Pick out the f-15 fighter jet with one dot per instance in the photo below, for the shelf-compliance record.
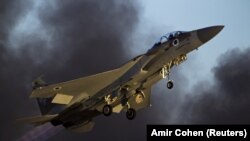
(74, 104)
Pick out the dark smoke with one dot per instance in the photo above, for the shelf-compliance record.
(226, 100)
(81, 38)
(84, 37)
(9, 15)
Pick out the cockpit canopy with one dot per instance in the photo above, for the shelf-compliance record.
(168, 37)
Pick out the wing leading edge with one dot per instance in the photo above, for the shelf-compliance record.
(75, 90)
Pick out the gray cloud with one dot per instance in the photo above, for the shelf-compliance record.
(224, 101)
(85, 37)
(9, 15)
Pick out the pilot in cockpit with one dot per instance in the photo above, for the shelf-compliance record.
(167, 37)
(171, 36)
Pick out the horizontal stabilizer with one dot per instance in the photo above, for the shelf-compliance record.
(37, 120)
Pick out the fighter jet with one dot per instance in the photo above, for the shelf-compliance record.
(75, 103)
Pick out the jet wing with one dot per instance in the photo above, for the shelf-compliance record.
(76, 90)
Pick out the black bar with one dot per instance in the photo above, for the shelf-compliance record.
(197, 132)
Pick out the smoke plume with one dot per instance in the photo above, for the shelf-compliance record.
(62, 40)
(224, 101)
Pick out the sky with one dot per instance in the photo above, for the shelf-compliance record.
(164, 16)
(58, 39)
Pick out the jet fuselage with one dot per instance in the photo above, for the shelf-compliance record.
(126, 88)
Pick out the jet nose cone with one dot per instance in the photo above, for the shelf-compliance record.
(205, 34)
